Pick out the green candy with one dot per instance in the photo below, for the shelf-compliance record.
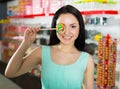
(60, 28)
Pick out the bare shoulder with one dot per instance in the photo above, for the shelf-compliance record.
(35, 50)
(38, 51)
(91, 58)
(35, 53)
(88, 82)
(90, 64)
(54, 46)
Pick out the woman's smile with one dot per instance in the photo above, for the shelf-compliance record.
(67, 37)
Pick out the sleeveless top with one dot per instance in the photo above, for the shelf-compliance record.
(55, 76)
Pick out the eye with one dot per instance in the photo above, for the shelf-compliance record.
(73, 26)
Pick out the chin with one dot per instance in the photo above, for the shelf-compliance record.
(67, 42)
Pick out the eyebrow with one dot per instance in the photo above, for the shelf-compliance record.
(70, 24)
(73, 24)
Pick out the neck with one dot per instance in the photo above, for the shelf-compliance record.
(66, 48)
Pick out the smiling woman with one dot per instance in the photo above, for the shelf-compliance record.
(64, 62)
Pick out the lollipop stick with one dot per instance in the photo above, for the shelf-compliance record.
(47, 28)
(59, 28)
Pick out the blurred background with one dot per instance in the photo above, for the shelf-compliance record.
(101, 17)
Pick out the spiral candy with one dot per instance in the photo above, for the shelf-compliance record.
(60, 28)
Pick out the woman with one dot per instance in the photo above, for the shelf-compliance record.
(64, 64)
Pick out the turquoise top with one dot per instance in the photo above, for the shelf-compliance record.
(55, 76)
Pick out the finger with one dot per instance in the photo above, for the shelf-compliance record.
(26, 30)
(35, 30)
(31, 30)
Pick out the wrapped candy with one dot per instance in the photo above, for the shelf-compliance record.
(107, 56)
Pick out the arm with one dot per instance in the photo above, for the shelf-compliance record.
(18, 64)
(88, 82)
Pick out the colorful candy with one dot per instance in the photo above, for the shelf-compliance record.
(107, 55)
(60, 28)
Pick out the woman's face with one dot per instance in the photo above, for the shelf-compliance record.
(71, 28)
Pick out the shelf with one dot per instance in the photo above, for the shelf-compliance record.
(26, 16)
(88, 41)
(92, 12)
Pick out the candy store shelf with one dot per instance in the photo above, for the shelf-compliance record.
(91, 12)
(114, 12)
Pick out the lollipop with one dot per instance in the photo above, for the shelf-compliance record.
(60, 28)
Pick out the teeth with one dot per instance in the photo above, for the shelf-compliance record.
(66, 37)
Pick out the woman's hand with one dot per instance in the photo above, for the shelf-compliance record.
(19, 63)
(30, 35)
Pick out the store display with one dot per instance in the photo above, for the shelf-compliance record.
(100, 1)
(106, 67)
(24, 7)
(0, 49)
(10, 44)
(98, 23)
(117, 77)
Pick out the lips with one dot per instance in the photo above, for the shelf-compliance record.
(67, 37)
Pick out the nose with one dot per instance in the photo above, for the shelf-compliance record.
(66, 30)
